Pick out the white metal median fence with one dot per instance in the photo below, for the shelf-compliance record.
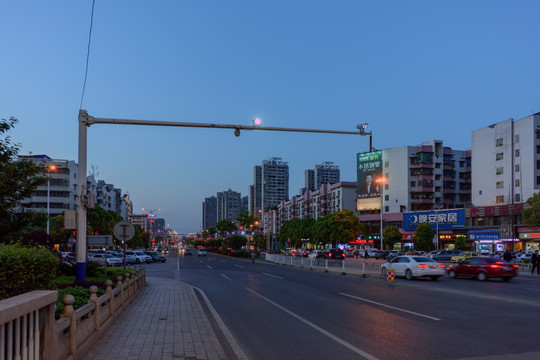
(346, 266)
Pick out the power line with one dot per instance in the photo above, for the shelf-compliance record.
(88, 53)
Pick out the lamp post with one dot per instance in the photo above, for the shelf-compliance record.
(49, 168)
(381, 182)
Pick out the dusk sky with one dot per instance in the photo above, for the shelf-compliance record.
(414, 70)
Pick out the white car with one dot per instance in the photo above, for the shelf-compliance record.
(411, 266)
(201, 252)
(140, 257)
(101, 258)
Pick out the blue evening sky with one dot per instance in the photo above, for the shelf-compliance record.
(414, 70)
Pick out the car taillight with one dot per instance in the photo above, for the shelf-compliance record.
(515, 266)
(495, 266)
(441, 265)
(422, 265)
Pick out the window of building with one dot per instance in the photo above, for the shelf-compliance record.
(499, 142)
(499, 199)
(538, 149)
(538, 164)
(517, 183)
(517, 198)
(537, 134)
(538, 180)
(386, 164)
(413, 183)
(516, 153)
(517, 167)
(499, 184)
(516, 139)
(499, 156)
(386, 187)
(499, 170)
(437, 165)
(386, 197)
(461, 163)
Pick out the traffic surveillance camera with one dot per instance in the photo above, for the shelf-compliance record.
(237, 132)
(362, 126)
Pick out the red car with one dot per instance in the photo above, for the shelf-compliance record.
(483, 268)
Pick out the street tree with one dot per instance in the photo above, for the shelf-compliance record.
(461, 242)
(236, 241)
(346, 227)
(423, 237)
(19, 177)
(391, 236)
(225, 227)
(531, 215)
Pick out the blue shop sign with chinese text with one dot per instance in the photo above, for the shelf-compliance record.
(442, 219)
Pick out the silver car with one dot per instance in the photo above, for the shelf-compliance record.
(412, 266)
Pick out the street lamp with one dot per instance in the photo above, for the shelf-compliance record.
(49, 168)
(381, 182)
(362, 128)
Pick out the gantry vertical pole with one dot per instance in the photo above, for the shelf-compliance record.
(81, 192)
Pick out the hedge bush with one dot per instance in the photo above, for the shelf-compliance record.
(23, 269)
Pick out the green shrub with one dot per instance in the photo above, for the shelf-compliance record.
(81, 295)
(23, 269)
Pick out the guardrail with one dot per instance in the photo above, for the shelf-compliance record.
(362, 267)
(28, 329)
(349, 266)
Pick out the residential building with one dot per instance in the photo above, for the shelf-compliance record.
(275, 182)
(229, 205)
(255, 192)
(506, 161)
(209, 207)
(109, 197)
(59, 191)
(329, 199)
(326, 173)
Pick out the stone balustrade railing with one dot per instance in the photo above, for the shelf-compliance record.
(28, 329)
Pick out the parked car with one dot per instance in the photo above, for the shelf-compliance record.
(464, 255)
(156, 256)
(201, 252)
(314, 254)
(110, 259)
(130, 259)
(140, 257)
(483, 268)
(349, 252)
(446, 255)
(524, 256)
(187, 251)
(393, 255)
(414, 266)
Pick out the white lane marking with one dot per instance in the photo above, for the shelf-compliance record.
(240, 266)
(226, 277)
(391, 307)
(277, 277)
(210, 267)
(319, 329)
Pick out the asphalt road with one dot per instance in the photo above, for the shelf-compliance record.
(280, 312)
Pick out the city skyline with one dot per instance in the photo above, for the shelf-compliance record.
(414, 71)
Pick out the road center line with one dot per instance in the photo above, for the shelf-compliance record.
(277, 277)
(391, 307)
(319, 329)
(210, 267)
(226, 277)
(240, 266)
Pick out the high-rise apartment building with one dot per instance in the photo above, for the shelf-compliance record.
(326, 173)
(209, 212)
(506, 161)
(309, 180)
(255, 192)
(229, 205)
(275, 182)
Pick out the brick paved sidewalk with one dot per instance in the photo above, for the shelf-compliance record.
(168, 320)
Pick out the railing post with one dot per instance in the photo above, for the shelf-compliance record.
(326, 265)
(128, 285)
(94, 299)
(68, 301)
(111, 298)
(343, 267)
(121, 287)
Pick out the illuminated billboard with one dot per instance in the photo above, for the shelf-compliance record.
(368, 170)
(442, 219)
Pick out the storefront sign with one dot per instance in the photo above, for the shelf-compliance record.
(441, 219)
